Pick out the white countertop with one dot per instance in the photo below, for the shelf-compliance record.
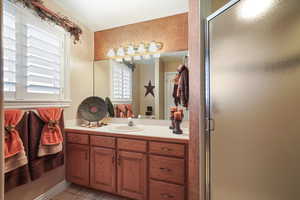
(148, 131)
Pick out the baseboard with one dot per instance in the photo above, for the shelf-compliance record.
(53, 191)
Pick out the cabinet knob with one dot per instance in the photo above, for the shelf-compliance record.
(166, 149)
(165, 195)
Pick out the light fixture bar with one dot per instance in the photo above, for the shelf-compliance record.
(136, 52)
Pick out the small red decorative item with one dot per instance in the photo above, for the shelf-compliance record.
(172, 111)
(177, 115)
(177, 121)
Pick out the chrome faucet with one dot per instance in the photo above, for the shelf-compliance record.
(130, 121)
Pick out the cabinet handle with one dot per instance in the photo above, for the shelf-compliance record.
(119, 160)
(165, 169)
(113, 159)
(166, 149)
(165, 195)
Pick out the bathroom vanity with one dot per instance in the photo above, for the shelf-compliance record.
(150, 164)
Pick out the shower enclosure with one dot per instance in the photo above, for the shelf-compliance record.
(253, 101)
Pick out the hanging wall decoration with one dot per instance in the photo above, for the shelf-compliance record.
(149, 89)
(49, 15)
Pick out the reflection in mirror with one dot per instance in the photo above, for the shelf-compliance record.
(129, 85)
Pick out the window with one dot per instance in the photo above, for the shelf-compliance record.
(9, 57)
(34, 57)
(121, 82)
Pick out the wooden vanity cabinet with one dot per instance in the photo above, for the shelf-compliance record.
(139, 168)
(132, 172)
(78, 163)
(103, 169)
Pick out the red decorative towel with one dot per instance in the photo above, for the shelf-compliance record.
(51, 133)
(124, 110)
(39, 165)
(13, 142)
(129, 110)
(121, 110)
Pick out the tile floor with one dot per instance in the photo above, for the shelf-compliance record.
(75, 192)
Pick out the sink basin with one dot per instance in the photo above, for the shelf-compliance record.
(126, 128)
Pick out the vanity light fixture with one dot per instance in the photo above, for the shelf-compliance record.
(136, 52)
(130, 50)
(111, 53)
(121, 52)
(141, 49)
(153, 47)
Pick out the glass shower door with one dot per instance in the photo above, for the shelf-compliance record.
(254, 84)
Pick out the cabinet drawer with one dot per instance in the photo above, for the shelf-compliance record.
(133, 145)
(103, 141)
(167, 169)
(167, 149)
(77, 138)
(165, 191)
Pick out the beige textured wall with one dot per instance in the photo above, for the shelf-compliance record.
(159, 89)
(216, 4)
(81, 81)
(146, 74)
(136, 93)
(102, 78)
(171, 66)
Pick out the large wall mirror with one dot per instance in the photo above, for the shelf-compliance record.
(126, 84)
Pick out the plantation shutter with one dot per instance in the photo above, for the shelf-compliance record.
(43, 61)
(9, 52)
(121, 82)
(34, 56)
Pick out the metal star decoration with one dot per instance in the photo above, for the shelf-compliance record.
(149, 89)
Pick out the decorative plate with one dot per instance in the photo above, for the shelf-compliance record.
(92, 109)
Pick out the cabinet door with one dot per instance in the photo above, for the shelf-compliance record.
(78, 164)
(132, 169)
(103, 169)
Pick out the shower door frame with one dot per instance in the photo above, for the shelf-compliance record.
(209, 123)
